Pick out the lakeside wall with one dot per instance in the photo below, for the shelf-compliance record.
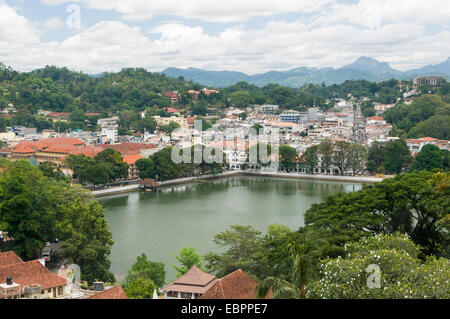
(188, 180)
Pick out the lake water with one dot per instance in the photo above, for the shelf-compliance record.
(160, 224)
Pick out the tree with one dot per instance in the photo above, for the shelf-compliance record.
(140, 288)
(188, 257)
(341, 156)
(429, 158)
(357, 155)
(375, 158)
(326, 149)
(50, 169)
(288, 158)
(146, 168)
(87, 240)
(146, 270)
(309, 159)
(240, 98)
(402, 274)
(114, 164)
(303, 255)
(242, 242)
(408, 203)
(396, 156)
(169, 128)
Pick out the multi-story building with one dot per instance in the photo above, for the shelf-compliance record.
(290, 117)
(432, 81)
(110, 129)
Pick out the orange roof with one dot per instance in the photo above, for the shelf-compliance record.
(89, 151)
(430, 139)
(30, 273)
(191, 120)
(129, 148)
(131, 159)
(112, 293)
(61, 148)
(172, 110)
(237, 285)
(8, 258)
(376, 118)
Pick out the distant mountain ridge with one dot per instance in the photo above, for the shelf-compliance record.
(364, 68)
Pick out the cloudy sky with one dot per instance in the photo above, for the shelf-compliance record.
(251, 36)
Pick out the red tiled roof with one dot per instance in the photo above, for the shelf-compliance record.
(376, 118)
(129, 148)
(89, 151)
(112, 293)
(428, 139)
(131, 159)
(237, 285)
(61, 148)
(31, 273)
(172, 110)
(8, 258)
(194, 281)
(93, 114)
(171, 94)
(191, 120)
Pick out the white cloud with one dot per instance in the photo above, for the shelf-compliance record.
(54, 23)
(209, 10)
(280, 44)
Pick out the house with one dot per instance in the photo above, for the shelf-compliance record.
(191, 285)
(111, 293)
(237, 285)
(29, 280)
(133, 172)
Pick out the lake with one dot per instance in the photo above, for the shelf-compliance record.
(160, 224)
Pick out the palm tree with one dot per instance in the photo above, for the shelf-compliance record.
(304, 255)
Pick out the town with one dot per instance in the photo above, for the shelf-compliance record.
(108, 155)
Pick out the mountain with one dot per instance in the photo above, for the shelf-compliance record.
(364, 68)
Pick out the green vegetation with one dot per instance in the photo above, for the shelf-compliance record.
(402, 274)
(429, 116)
(106, 167)
(188, 257)
(36, 209)
(161, 166)
(146, 270)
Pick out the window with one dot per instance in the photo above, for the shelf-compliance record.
(60, 291)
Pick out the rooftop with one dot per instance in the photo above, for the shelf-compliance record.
(111, 293)
(194, 281)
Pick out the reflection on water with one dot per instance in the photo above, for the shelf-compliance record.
(160, 224)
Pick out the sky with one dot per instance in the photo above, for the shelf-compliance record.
(251, 36)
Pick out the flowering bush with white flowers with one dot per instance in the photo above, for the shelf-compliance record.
(403, 274)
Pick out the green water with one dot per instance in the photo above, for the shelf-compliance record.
(160, 224)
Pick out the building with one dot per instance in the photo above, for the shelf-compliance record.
(191, 285)
(111, 293)
(52, 149)
(268, 109)
(183, 122)
(290, 116)
(133, 172)
(430, 81)
(416, 145)
(110, 129)
(237, 285)
(29, 280)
